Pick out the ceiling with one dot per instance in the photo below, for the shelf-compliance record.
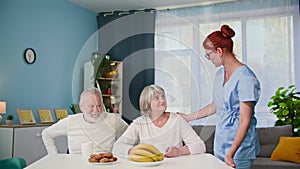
(98, 6)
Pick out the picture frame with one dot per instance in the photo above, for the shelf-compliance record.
(45, 115)
(26, 116)
(60, 113)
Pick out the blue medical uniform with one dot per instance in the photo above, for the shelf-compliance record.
(242, 86)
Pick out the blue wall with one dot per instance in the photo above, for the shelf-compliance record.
(57, 30)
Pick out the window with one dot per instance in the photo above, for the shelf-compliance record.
(264, 41)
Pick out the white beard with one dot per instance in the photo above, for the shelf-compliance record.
(92, 117)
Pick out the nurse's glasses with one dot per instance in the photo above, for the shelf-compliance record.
(207, 54)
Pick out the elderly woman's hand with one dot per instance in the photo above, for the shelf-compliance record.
(175, 152)
(172, 152)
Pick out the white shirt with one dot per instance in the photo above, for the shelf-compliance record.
(103, 133)
(173, 133)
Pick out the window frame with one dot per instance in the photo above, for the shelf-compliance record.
(260, 14)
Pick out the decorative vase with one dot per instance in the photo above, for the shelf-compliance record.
(109, 91)
(9, 122)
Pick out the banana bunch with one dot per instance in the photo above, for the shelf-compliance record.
(145, 153)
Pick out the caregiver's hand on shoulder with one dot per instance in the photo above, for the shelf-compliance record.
(185, 116)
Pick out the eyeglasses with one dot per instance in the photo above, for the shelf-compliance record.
(207, 54)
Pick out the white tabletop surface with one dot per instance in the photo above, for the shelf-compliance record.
(67, 161)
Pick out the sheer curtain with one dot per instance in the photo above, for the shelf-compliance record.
(265, 40)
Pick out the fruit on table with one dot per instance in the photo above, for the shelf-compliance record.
(145, 153)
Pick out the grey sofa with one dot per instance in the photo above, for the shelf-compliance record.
(268, 138)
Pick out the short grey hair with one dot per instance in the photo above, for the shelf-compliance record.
(92, 90)
(147, 96)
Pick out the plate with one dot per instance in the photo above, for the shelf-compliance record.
(98, 163)
(147, 164)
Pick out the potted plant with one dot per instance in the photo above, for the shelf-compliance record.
(9, 119)
(74, 108)
(107, 89)
(105, 66)
(285, 104)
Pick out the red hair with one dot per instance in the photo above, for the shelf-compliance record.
(220, 38)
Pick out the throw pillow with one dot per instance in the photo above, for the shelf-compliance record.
(288, 149)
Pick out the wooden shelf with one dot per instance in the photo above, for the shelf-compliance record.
(108, 79)
(110, 95)
(111, 86)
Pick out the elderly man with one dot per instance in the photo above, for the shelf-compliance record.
(93, 125)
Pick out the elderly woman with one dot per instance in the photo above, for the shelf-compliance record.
(167, 131)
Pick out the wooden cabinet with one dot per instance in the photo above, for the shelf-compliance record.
(110, 84)
(26, 142)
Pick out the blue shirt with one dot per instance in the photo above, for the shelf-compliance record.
(242, 86)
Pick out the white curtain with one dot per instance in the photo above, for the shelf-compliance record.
(265, 39)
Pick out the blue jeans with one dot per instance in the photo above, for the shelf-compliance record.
(239, 163)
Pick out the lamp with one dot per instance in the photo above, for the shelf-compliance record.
(2, 110)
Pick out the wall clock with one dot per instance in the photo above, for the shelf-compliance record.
(29, 55)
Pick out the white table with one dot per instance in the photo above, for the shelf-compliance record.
(67, 161)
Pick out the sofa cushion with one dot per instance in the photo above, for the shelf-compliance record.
(288, 149)
(266, 163)
(206, 133)
(269, 138)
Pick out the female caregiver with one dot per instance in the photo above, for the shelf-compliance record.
(236, 91)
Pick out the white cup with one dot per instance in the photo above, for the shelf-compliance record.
(87, 149)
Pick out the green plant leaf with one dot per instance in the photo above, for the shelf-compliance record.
(284, 92)
(279, 123)
(283, 105)
(279, 116)
(280, 88)
(285, 112)
(74, 108)
(10, 117)
(291, 86)
(270, 104)
(288, 121)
